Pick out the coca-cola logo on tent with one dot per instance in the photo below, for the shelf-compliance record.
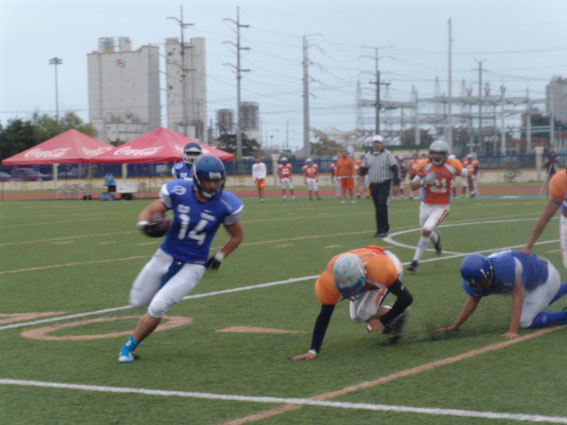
(128, 151)
(40, 153)
(95, 152)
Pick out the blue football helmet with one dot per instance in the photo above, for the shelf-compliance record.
(191, 152)
(350, 275)
(477, 271)
(208, 167)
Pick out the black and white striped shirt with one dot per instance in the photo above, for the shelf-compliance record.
(379, 166)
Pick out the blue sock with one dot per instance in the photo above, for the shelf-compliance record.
(544, 319)
(562, 292)
(131, 344)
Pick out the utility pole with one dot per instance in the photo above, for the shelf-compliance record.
(238, 78)
(306, 143)
(56, 61)
(182, 26)
(450, 90)
(378, 83)
(480, 103)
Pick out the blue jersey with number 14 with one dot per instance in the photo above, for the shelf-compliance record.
(195, 223)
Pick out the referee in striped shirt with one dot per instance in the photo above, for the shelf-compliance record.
(382, 169)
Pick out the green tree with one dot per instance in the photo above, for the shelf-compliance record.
(227, 142)
(19, 135)
(330, 143)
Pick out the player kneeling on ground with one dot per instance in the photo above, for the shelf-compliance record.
(507, 273)
(364, 276)
(199, 208)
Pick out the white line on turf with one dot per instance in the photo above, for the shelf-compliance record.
(188, 297)
(292, 401)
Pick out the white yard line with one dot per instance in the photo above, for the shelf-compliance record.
(291, 401)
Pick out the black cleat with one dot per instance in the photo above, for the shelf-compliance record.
(395, 328)
(437, 245)
(413, 266)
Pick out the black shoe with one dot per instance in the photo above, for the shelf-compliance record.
(438, 247)
(395, 328)
(377, 235)
(413, 265)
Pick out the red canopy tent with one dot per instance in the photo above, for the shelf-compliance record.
(159, 145)
(70, 147)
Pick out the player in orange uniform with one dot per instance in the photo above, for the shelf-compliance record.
(435, 174)
(284, 173)
(345, 173)
(413, 172)
(364, 276)
(310, 176)
(557, 198)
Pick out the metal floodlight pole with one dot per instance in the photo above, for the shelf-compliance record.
(56, 61)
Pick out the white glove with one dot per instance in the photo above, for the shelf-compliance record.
(428, 179)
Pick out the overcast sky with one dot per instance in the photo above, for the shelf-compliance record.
(522, 43)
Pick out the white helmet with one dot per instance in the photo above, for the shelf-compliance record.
(439, 146)
(283, 159)
(349, 274)
(309, 161)
(451, 157)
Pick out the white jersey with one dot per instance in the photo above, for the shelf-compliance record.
(259, 170)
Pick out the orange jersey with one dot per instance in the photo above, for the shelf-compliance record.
(439, 192)
(413, 166)
(381, 272)
(558, 190)
(284, 170)
(345, 167)
(333, 168)
(311, 171)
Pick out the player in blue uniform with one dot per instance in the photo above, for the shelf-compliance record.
(199, 207)
(508, 272)
(182, 169)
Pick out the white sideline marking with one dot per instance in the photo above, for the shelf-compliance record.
(188, 297)
(293, 401)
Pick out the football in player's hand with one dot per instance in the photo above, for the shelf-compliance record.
(157, 226)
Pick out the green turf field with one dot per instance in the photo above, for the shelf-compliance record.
(80, 257)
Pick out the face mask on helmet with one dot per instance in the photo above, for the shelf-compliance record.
(209, 176)
(477, 271)
(438, 151)
(191, 152)
(350, 276)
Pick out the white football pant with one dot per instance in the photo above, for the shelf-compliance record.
(146, 291)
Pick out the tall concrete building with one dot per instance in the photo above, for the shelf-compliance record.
(186, 87)
(250, 120)
(556, 98)
(124, 89)
(225, 121)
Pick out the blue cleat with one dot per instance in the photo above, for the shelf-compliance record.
(126, 356)
(127, 351)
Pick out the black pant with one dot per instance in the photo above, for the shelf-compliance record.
(381, 195)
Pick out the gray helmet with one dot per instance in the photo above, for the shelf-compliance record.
(439, 146)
